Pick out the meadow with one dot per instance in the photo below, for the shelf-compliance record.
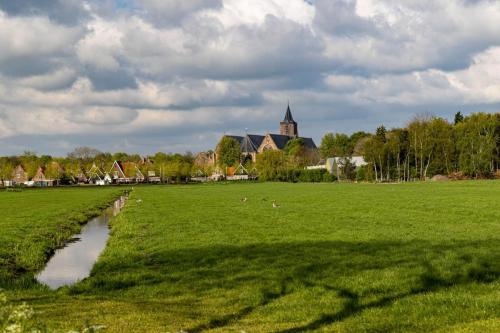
(35, 222)
(419, 257)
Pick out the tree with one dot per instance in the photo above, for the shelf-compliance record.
(458, 118)
(338, 145)
(295, 147)
(103, 160)
(129, 169)
(6, 168)
(420, 143)
(356, 140)
(441, 146)
(381, 133)
(271, 165)
(382, 153)
(326, 147)
(53, 170)
(394, 147)
(30, 162)
(84, 153)
(121, 156)
(477, 144)
(298, 154)
(373, 150)
(228, 152)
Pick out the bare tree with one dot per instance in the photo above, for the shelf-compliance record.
(84, 153)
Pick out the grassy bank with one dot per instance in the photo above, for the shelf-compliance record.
(34, 222)
(332, 258)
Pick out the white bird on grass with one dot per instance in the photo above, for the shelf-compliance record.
(244, 199)
(275, 205)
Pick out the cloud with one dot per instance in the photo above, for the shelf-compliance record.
(101, 45)
(33, 45)
(178, 74)
(173, 12)
(411, 35)
(105, 115)
(61, 11)
(237, 13)
(58, 79)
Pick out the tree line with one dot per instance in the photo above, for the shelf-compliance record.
(428, 146)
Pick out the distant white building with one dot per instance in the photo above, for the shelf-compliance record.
(331, 164)
(357, 161)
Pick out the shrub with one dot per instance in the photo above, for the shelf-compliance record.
(328, 177)
(302, 176)
(361, 174)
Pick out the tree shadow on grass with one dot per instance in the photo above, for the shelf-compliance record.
(267, 297)
(430, 281)
(280, 269)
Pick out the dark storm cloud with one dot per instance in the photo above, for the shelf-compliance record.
(111, 80)
(27, 66)
(248, 100)
(68, 12)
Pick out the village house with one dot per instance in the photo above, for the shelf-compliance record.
(80, 178)
(153, 178)
(148, 166)
(123, 173)
(252, 144)
(96, 176)
(19, 176)
(334, 164)
(41, 180)
(204, 159)
(126, 172)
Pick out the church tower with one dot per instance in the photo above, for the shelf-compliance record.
(288, 126)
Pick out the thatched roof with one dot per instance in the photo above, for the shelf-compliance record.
(40, 175)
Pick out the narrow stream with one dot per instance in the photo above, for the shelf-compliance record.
(75, 261)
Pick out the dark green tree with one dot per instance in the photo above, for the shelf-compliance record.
(458, 118)
(381, 133)
(228, 152)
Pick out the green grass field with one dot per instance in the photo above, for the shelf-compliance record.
(34, 222)
(422, 257)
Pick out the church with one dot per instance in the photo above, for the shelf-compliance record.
(253, 144)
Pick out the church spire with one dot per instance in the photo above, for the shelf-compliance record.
(288, 115)
(288, 126)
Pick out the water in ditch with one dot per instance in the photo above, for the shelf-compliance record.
(74, 262)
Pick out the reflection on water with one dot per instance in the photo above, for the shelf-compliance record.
(75, 261)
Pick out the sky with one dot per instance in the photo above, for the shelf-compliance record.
(143, 76)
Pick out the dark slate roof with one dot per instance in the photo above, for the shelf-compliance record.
(309, 143)
(251, 143)
(282, 140)
(288, 116)
(237, 138)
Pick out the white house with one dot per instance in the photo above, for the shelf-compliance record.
(334, 162)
